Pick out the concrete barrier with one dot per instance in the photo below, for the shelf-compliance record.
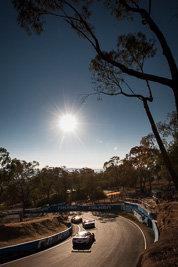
(11, 252)
(143, 216)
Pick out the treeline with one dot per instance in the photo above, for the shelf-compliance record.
(23, 182)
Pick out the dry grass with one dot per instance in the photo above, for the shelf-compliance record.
(31, 229)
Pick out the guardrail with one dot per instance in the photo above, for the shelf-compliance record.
(142, 202)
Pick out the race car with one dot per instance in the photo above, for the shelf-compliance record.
(88, 224)
(83, 238)
(76, 219)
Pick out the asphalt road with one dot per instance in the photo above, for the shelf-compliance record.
(118, 243)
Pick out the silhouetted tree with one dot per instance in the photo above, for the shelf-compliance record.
(31, 14)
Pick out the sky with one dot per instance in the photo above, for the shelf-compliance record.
(44, 77)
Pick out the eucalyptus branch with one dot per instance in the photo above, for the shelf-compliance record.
(150, 92)
(135, 59)
(71, 19)
(45, 12)
(129, 87)
(88, 28)
(85, 96)
(113, 79)
(131, 72)
(141, 97)
(166, 50)
(150, 98)
(82, 33)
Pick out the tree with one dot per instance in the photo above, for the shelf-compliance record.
(143, 159)
(111, 169)
(120, 173)
(133, 50)
(128, 173)
(114, 161)
(20, 185)
(4, 161)
(46, 180)
(169, 128)
(60, 180)
(110, 66)
(168, 131)
(31, 15)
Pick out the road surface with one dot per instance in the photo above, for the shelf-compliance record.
(119, 242)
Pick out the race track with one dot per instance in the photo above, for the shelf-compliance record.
(118, 243)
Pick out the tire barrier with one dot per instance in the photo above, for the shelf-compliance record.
(16, 251)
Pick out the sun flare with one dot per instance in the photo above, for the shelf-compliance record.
(68, 123)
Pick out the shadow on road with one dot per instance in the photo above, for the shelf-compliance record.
(81, 251)
(82, 248)
(105, 217)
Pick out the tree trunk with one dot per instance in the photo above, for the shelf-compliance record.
(161, 146)
(150, 185)
(175, 91)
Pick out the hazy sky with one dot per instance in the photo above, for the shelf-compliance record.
(43, 77)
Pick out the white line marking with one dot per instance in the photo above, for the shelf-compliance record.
(138, 228)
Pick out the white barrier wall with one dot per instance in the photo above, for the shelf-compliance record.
(10, 252)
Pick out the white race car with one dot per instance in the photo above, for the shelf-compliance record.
(83, 238)
(76, 219)
(88, 224)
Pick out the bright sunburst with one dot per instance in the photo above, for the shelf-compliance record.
(68, 123)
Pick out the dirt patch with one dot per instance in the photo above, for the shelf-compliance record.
(164, 252)
(31, 229)
(167, 216)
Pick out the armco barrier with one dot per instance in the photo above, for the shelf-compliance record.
(11, 252)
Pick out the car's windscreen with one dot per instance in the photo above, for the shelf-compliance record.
(82, 234)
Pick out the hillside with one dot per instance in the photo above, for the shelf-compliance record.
(13, 233)
(163, 253)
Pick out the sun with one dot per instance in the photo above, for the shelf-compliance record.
(68, 123)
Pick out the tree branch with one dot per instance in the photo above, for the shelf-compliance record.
(166, 50)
